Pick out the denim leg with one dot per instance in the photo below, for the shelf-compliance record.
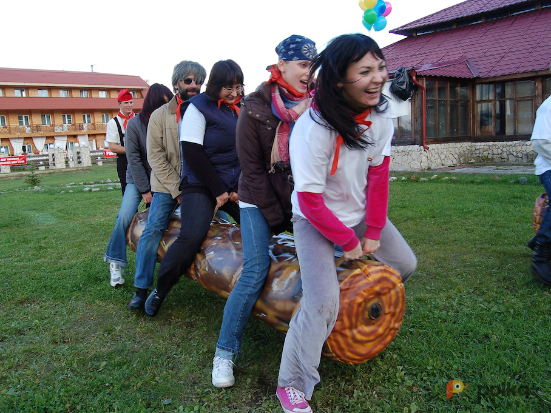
(197, 210)
(116, 249)
(160, 211)
(255, 235)
(544, 234)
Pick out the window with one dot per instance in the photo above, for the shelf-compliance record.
(105, 117)
(43, 93)
(448, 114)
(20, 93)
(4, 150)
(84, 94)
(64, 93)
(46, 119)
(102, 93)
(1, 92)
(86, 118)
(505, 108)
(546, 88)
(27, 149)
(2, 121)
(402, 127)
(23, 120)
(133, 93)
(67, 119)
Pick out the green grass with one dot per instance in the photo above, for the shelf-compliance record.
(68, 342)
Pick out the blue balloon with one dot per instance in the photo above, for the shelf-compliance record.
(367, 25)
(379, 24)
(380, 8)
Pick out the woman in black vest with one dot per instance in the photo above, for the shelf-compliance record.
(210, 171)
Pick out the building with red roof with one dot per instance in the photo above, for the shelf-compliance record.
(43, 109)
(483, 67)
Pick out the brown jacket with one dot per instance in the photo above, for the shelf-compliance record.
(163, 150)
(269, 191)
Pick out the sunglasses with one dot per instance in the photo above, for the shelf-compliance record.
(188, 81)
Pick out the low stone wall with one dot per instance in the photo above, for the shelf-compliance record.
(415, 158)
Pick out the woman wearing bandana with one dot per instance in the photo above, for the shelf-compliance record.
(340, 155)
(265, 186)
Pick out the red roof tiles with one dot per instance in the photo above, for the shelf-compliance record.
(461, 10)
(62, 78)
(516, 44)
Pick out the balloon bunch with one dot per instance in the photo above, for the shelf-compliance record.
(375, 12)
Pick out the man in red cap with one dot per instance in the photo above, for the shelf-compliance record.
(116, 128)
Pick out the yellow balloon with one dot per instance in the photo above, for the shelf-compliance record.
(369, 4)
(361, 2)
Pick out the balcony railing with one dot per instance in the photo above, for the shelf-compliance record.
(42, 129)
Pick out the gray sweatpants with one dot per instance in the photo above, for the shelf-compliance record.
(319, 305)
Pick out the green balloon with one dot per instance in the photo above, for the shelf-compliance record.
(370, 16)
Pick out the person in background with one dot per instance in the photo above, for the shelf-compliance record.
(541, 142)
(163, 154)
(114, 135)
(340, 155)
(265, 187)
(210, 172)
(137, 180)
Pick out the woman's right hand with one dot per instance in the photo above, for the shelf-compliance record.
(354, 254)
(222, 199)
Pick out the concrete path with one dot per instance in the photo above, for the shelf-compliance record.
(490, 169)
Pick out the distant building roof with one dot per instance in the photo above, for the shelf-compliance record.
(36, 103)
(462, 10)
(62, 78)
(515, 44)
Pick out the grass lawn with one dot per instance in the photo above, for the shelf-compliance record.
(68, 342)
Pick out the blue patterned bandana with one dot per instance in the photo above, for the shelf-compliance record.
(296, 48)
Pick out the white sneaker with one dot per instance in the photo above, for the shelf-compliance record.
(222, 372)
(116, 274)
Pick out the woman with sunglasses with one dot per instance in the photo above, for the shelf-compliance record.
(265, 186)
(210, 171)
(340, 155)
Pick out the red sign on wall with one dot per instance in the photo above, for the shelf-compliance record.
(13, 160)
(108, 154)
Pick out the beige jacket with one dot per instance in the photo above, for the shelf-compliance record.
(163, 150)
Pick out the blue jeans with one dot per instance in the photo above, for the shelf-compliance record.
(116, 249)
(160, 211)
(255, 235)
(544, 234)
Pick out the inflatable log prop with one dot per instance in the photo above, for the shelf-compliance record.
(372, 298)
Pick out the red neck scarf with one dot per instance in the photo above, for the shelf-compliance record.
(178, 107)
(278, 78)
(233, 106)
(126, 118)
(360, 119)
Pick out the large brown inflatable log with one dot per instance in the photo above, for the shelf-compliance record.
(372, 298)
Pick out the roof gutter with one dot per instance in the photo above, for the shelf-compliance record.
(423, 109)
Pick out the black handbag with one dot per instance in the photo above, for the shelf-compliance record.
(402, 85)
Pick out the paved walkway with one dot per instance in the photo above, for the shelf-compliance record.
(490, 169)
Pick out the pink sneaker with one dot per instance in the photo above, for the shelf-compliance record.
(292, 400)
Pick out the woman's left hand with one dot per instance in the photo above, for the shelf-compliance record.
(234, 197)
(370, 246)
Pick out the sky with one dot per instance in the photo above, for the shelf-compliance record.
(148, 39)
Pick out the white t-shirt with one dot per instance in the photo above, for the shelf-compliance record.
(312, 149)
(193, 125)
(112, 132)
(542, 130)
